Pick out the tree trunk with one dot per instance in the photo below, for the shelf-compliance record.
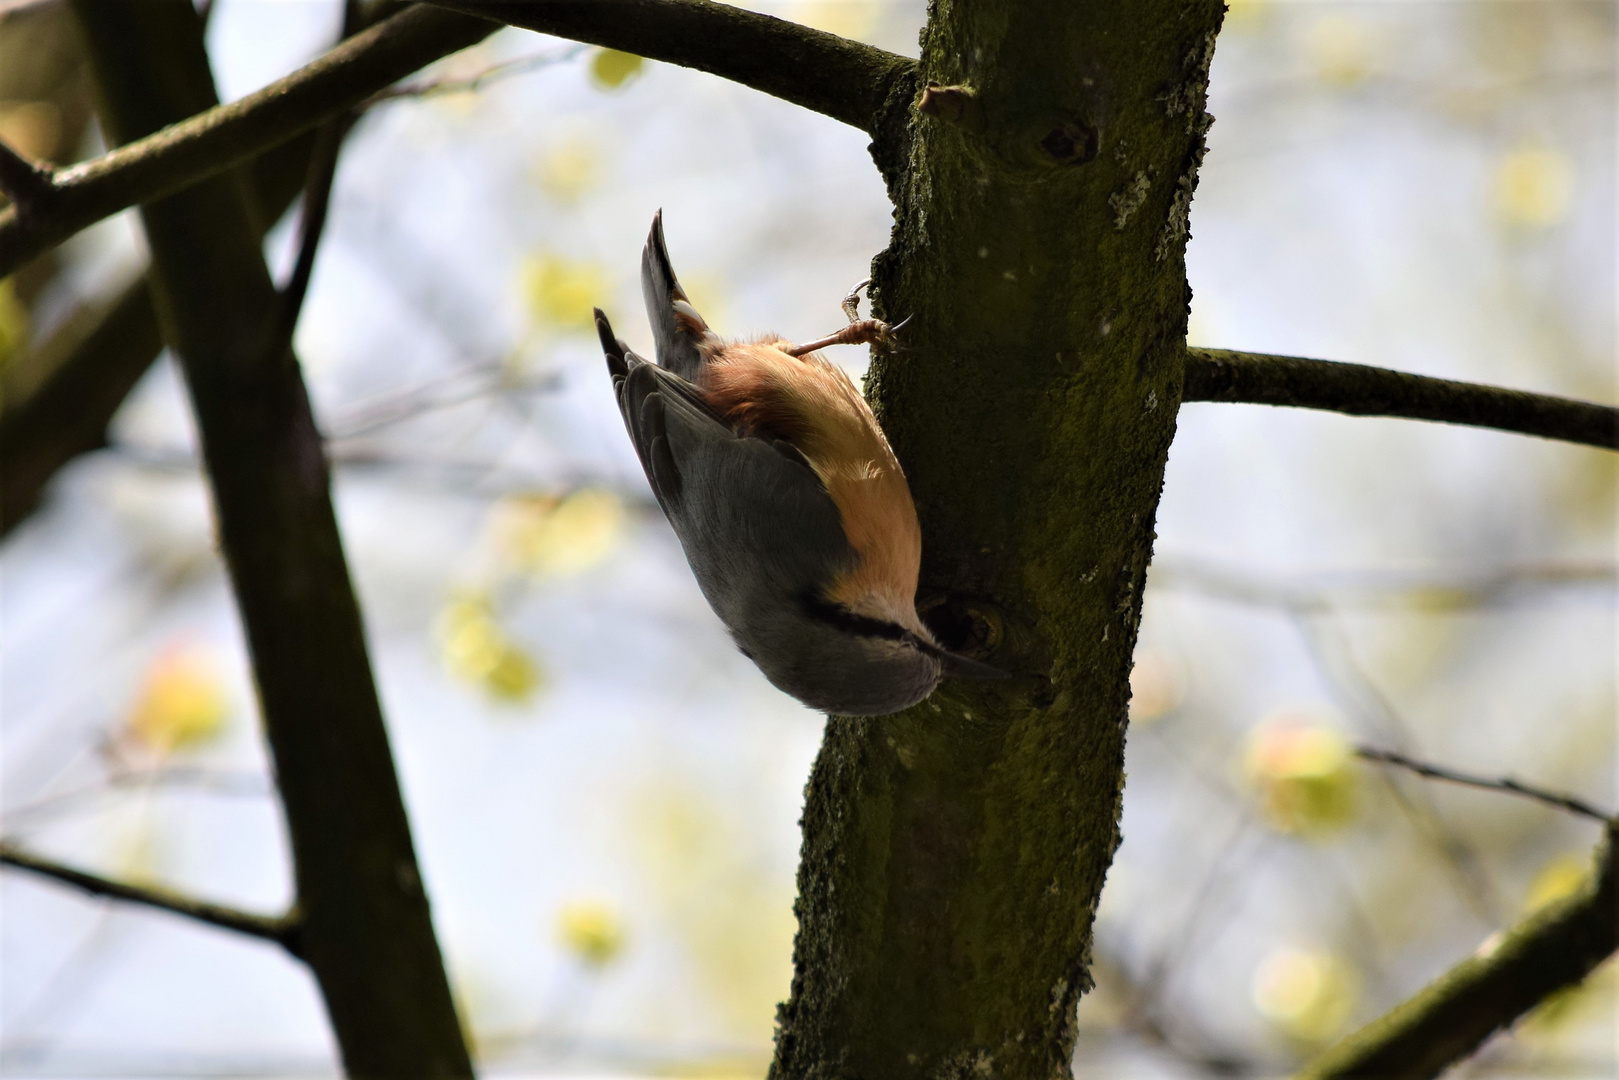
(364, 926)
(954, 854)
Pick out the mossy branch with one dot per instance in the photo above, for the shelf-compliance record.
(1511, 973)
(281, 929)
(1361, 390)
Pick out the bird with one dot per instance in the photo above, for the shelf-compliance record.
(787, 499)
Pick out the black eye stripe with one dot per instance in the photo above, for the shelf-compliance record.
(841, 617)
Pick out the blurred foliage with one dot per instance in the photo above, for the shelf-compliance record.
(560, 292)
(546, 535)
(1340, 50)
(183, 701)
(1157, 685)
(611, 69)
(1308, 994)
(570, 169)
(846, 18)
(1305, 775)
(734, 919)
(1534, 186)
(591, 930)
(477, 650)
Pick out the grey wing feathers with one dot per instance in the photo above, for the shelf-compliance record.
(677, 329)
(635, 384)
(739, 504)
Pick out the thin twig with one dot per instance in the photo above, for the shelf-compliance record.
(1361, 390)
(1512, 972)
(1504, 783)
(311, 226)
(1359, 694)
(473, 83)
(27, 184)
(281, 929)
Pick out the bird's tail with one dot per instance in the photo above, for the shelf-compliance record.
(678, 331)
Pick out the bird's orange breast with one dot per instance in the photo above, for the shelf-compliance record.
(811, 404)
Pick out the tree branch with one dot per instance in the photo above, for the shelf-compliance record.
(366, 929)
(281, 929)
(217, 139)
(1505, 784)
(1511, 973)
(1360, 390)
(29, 186)
(846, 80)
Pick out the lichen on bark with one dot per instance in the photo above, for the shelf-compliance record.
(954, 854)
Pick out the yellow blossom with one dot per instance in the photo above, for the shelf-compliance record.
(1308, 993)
(1304, 775)
(562, 292)
(1533, 187)
(182, 702)
(592, 931)
(611, 69)
(544, 535)
(569, 169)
(477, 650)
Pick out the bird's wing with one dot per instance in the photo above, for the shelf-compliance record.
(678, 330)
(749, 511)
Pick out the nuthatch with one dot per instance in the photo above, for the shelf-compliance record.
(789, 503)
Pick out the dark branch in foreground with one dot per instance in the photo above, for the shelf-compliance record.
(283, 929)
(1505, 784)
(23, 182)
(1511, 973)
(219, 138)
(846, 80)
(1360, 390)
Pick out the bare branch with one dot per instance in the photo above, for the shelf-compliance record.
(473, 83)
(1511, 973)
(825, 73)
(281, 929)
(1360, 390)
(227, 135)
(311, 226)
(855, 83)
(1505, 783)
(27, 184)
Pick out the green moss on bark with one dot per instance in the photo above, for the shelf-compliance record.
(954, 854)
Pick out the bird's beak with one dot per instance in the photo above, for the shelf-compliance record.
(962, 668)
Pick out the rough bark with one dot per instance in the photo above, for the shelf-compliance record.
(954, 854)
(364, 922)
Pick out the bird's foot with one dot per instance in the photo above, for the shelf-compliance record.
(859, 331)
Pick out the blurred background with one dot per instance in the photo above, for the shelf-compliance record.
(604, 792)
